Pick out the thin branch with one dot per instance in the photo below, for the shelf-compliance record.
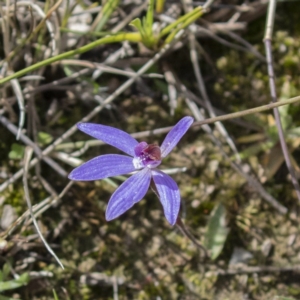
(27, 141)
(148, 133)
(212, 31)
(18, 92)
(248, 111)
(28, 153)
(172, 92)
(45, 18)
(38, 27)
(208, 4)
(48, 86)
(48, 202)
(268, 48)
(104, 68)
(201, 86)
(186, 233)
(38, 209)
(133, 14)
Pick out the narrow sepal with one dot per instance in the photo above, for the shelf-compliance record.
(112, 136)
(128, 193)
(174, 136)
(102, 167)
(169, 195)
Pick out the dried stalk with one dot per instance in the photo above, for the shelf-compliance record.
(268, 48)
(28, 153)
(27, 141)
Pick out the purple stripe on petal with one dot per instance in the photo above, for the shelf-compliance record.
(175, 135)
(112, 136)
(169, 195)
(102, 167)
(129, 193)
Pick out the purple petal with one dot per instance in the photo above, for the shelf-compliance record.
(112, 136)
(129, 193)
(169, 195)
(175, 135)
(102, 167)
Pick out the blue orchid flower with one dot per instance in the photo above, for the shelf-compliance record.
(143, 158)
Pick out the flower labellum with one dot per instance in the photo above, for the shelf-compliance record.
(143, 158)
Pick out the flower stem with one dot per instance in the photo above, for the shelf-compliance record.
(185, 232)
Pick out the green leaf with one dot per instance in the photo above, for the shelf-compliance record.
(55, 295)
(109, 7)
(177, 25)
(17, 151)
(287, 90)
(5, 271)
(159, 6)
(216, 231)
(161, 86)
(286, 119)
(68, 71)
(24, 278)
(13, 284)
(148, 21)
(44, 138)
(256, 148)
(138, 25)
(294, 132)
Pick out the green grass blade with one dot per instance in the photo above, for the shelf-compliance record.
(13, 284)
(108, 9)
(193, 15)
(183, 25)
(55, 295)
(132, 37)
(159, 6)
(149, 19)
(138, 25)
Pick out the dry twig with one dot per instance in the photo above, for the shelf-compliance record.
(28, 153)
(268, 47)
